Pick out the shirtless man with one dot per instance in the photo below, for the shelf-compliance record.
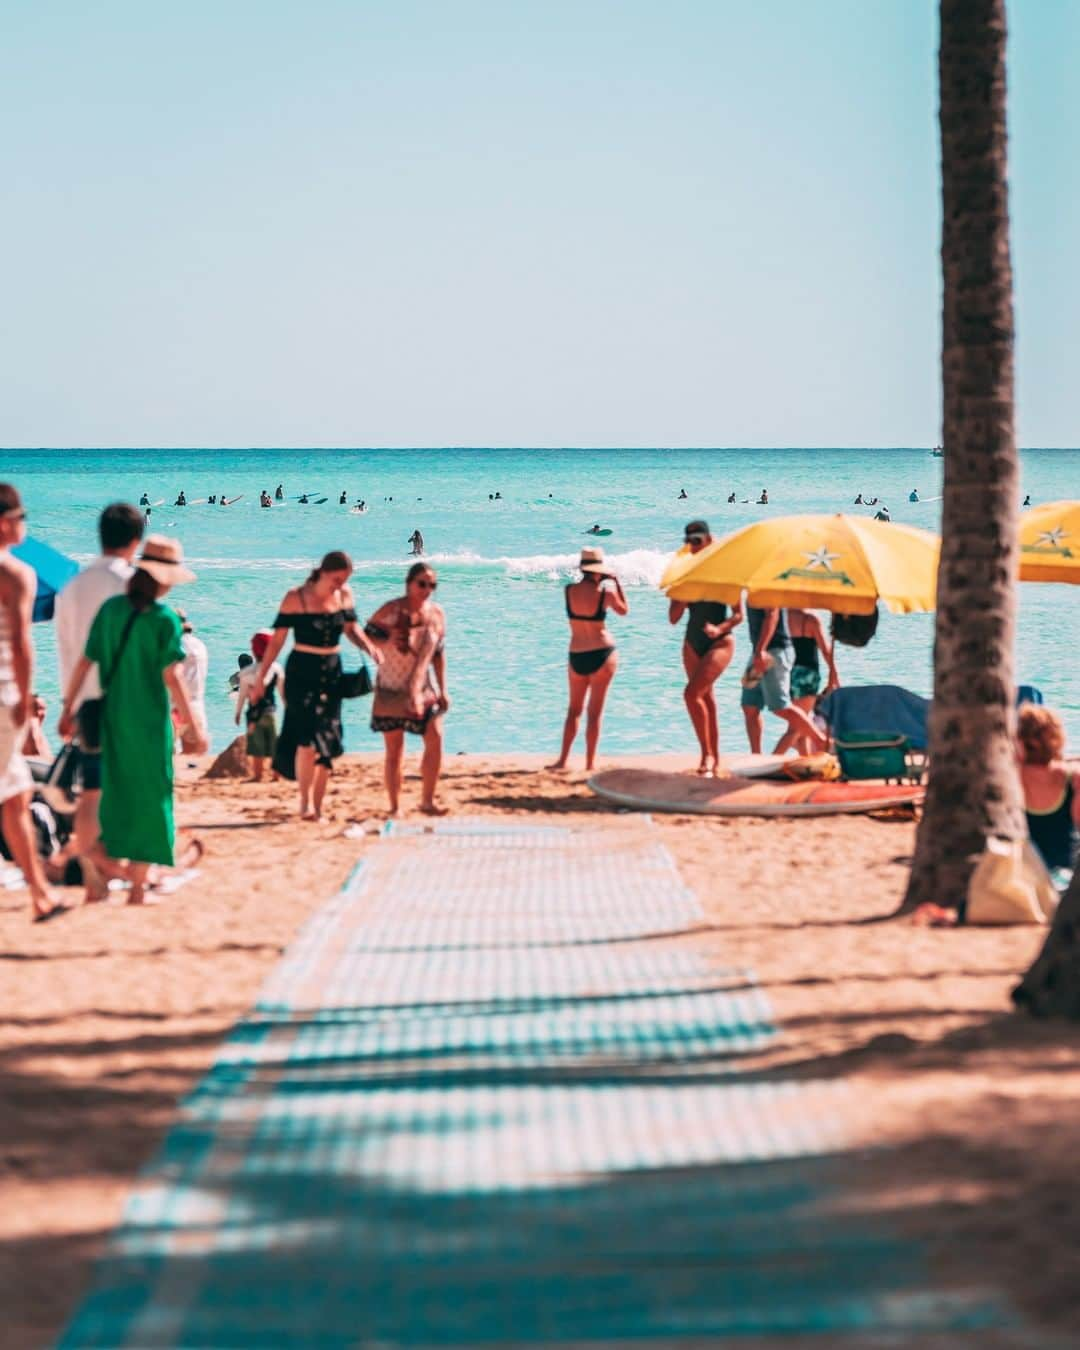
(18, 585)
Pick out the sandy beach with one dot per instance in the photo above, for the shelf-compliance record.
(963, 1114)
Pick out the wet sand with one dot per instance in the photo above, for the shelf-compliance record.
(964, 1116)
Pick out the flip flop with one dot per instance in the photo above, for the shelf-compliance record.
(57, 909)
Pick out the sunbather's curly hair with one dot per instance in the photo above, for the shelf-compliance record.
(1040, 732)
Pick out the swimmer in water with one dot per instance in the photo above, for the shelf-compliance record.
(146, 516)
(913, 495)
(731, 497)
(304, 500)
(342, 499)
(211, 501)
(858, 500)
(682, 497)
(144, 500)
(1027, 500)
(279, 493)
(763, 500)
(870, 501)
(181, 500)
(882, 514)
(417, 541)
(361, 505)
(264, 498)
(595, 530)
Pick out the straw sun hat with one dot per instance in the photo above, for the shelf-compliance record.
(592, 560)
(163, 558)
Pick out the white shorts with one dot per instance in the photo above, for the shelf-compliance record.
(14, 771)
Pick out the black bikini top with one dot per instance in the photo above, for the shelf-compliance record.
(317, 630)
(598, 617)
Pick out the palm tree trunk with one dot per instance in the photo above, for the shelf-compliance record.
(1051, 988)
(974, 790)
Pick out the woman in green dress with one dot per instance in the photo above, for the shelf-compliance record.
(135, 643)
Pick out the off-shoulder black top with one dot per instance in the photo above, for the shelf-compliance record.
(317, 630)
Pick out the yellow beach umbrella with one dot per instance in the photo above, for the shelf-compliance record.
(1050, 543)
(841, 563)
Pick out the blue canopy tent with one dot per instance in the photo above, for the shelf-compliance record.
(53, 571)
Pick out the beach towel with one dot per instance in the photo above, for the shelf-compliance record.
(876, 707)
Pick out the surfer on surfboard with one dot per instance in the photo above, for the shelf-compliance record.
(416, 539)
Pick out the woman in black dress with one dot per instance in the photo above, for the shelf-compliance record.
(708, 647)
(319, 613)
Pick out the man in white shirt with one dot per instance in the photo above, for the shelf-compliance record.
(195, 668)
(120, 528)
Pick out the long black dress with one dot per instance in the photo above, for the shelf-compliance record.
(312, 690)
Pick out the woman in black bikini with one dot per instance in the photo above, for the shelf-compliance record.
(319, 613)
(708, 646)
(410, 690)
(592, 650)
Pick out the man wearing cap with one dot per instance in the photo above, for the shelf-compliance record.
(120, 527)
(17, 588)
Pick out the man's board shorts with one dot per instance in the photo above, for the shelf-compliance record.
(773, 690)
(14, 771)
(89, 720)
(805, 681)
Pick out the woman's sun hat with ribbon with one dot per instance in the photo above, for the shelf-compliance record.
(1050, 543)
(845, 564)
(163, 558)
(592, 560)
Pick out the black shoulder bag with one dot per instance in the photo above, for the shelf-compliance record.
(92, 711)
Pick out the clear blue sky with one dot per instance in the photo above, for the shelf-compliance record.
(506, 222)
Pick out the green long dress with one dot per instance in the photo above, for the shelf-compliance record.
(136, 729)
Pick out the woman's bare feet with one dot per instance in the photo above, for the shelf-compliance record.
(434, 809)
(558, 767)
(97, 888)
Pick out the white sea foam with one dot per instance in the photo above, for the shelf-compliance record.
(638, 567)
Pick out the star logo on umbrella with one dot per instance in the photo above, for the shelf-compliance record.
(1052, 538)
(821, 558)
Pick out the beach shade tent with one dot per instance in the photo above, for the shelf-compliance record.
(53, 570)
(1050, 543)
(846, 564)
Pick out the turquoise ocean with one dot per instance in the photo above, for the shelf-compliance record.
(502, 563)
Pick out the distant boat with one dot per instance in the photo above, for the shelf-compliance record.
(938, 452)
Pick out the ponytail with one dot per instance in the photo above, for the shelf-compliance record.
(142, 590)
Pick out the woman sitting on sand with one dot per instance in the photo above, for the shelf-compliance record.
(1051, 788)
(410, 689)
(135, 643)
(319, 612)
(592, 650)
(708, 646)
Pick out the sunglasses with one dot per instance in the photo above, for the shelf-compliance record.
(426, 585)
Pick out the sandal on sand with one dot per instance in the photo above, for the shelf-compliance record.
(44, 915)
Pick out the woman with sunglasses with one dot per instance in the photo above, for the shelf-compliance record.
(593, 659)
(320, 613)
(410, 688)
(708, 646)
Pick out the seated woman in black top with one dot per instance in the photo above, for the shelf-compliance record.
(1051, 787)
(708, 646)
(319, 613)
(592, 650)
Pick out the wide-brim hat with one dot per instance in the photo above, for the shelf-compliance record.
(592, 560)
(163, 558)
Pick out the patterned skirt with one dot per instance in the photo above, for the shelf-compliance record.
(312, 711)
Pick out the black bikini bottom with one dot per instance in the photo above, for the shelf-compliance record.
(588, 663)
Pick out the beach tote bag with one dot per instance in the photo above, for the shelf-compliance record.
(355, 683)
(1010, 885)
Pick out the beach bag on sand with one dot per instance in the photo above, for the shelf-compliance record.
(1010, 885)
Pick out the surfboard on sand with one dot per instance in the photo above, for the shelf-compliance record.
(652, 790)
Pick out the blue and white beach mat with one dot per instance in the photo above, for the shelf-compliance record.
(492, 1096)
